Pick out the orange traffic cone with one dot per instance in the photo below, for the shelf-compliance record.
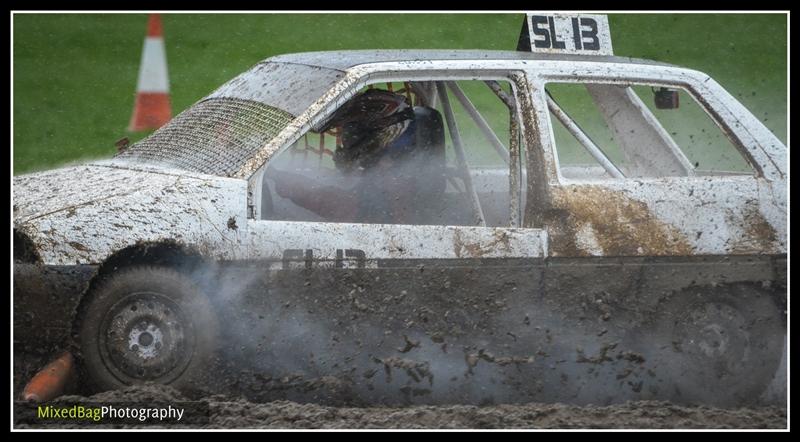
(50, 381)
(152, 108)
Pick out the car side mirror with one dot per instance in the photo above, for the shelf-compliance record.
(666, 98)
(122, 144)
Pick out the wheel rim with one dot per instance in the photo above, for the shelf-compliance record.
(146, 336)
(714, 335)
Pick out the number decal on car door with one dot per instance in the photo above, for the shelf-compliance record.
(307, 257)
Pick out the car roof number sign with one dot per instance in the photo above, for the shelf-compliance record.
(579, 34)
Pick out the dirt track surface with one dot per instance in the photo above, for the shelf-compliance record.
(230, 412)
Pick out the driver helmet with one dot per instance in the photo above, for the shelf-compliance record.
(373, 124)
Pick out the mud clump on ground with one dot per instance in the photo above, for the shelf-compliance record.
(233, 412)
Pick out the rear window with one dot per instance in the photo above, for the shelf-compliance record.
(606, 131)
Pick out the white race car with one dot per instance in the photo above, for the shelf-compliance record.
(419, 226)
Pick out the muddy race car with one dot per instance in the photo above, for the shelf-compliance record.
(411, 226)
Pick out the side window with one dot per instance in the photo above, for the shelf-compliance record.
(604, 131)
(416, 152)
(704, 143)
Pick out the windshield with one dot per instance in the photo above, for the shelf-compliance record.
(220, 133)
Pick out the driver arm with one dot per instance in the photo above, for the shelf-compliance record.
(330, 202)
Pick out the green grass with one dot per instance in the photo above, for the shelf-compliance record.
(75, 74)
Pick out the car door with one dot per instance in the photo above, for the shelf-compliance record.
(420, 295)
(665, 211)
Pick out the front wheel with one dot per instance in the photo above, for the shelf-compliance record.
(147, 324)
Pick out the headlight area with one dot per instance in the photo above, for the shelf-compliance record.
(45, 302)
(46, 299)
(24, 250)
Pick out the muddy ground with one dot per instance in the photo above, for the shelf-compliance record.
(233, 412)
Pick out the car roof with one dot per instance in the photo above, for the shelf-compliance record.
(275, 91)
(343, 60)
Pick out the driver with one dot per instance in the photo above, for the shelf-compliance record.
(378, 155)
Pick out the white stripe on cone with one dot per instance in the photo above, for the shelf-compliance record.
(153, 70)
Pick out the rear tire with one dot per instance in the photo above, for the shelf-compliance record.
(717, 345)
(147, 324)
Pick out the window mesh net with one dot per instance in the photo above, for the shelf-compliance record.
(215, 136)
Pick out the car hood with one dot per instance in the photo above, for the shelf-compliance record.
(46, 193)
(84, 213)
